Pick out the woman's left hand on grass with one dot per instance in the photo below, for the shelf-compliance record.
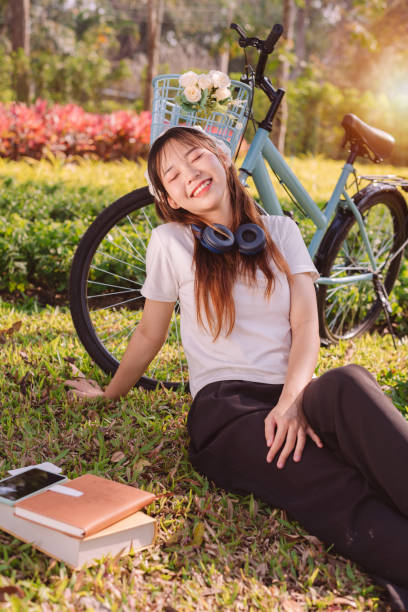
(286, 426)
(84, 388)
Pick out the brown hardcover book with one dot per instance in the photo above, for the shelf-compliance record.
(134, 532)
(102, 503)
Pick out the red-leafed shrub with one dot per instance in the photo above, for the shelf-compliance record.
(68, 130)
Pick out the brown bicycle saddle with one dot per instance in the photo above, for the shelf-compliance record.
(376, 141)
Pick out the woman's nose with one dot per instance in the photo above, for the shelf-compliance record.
(191, 173)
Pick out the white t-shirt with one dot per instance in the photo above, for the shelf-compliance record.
(258, 348)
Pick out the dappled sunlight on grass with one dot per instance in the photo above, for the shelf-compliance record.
(119, 176)
(318, 175)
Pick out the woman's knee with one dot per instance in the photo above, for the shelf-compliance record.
(337, 389)
(350, 378)
(345, 374)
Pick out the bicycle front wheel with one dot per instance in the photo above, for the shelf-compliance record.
(107, 273)
(349, 310)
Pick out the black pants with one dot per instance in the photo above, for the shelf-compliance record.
(352, 494)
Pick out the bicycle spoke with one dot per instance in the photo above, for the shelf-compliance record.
(124, 339)
(90, 282)
(107, 338)
(140, 297)
(143, 243)
(349, 308)
(90, 297)
(147, 219)
(138, 256)
(116, 275)
(126, 263)
(132, 246)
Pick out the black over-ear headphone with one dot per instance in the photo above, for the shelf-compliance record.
(249, 237)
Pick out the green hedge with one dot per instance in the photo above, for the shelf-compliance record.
(41, 225)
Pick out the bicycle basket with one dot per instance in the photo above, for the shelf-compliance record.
(228, 125)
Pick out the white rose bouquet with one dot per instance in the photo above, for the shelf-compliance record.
(204, 93)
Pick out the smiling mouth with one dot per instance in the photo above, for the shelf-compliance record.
(203, 186)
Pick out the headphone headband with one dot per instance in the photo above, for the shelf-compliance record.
(249, 237)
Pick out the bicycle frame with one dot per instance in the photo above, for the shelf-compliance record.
(254, 165)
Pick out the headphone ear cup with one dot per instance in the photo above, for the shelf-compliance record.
(217, 242)
(250, 239)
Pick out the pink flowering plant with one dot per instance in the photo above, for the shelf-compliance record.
(68, 130)
(204, 93)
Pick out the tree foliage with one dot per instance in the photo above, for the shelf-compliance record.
(344, 56)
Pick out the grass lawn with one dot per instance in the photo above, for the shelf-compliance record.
(213, 551)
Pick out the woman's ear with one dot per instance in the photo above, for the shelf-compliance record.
(172, 203)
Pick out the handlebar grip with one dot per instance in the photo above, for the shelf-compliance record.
(273, 38)
(241, 31)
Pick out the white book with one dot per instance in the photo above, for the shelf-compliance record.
(134, 532)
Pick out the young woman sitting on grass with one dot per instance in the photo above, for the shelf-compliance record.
(328, 450)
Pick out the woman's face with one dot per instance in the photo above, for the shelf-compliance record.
(194, 178)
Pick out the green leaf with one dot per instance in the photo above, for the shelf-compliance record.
(198, 534)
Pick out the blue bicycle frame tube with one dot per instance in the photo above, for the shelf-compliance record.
(368, 276)
(254, 165)
(362, 229)
(276, 161)
(264, 185)
(330, 208)
(262, 145)
(344, 280)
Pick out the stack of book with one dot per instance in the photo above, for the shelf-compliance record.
(97, 517)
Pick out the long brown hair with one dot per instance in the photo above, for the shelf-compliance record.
(216, 274)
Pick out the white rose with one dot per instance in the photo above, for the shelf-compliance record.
(220, 79)
(192, 93)
(222, 93)
(188, 79)
(205, 81)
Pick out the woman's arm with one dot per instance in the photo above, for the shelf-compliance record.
(286, 420)
(146, 341)
(304, 326)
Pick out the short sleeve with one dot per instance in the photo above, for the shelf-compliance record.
(295, 251)
(161, 281)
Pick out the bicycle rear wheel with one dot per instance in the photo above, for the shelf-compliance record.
(347, 311)
(107, 272)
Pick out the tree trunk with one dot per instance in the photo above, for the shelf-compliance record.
(225, 54)
(279, 132)
(20, 25)
(154, 23)
(300, 43)
(20, 40)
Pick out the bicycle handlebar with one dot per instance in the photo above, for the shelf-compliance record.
(241, 31)
(265, 47)
(273, 38)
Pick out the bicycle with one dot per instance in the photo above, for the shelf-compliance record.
(357, 246)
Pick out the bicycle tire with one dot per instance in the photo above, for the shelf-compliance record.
(118, 237)
(346, 311)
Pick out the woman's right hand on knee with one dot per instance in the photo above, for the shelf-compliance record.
(286, 426)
